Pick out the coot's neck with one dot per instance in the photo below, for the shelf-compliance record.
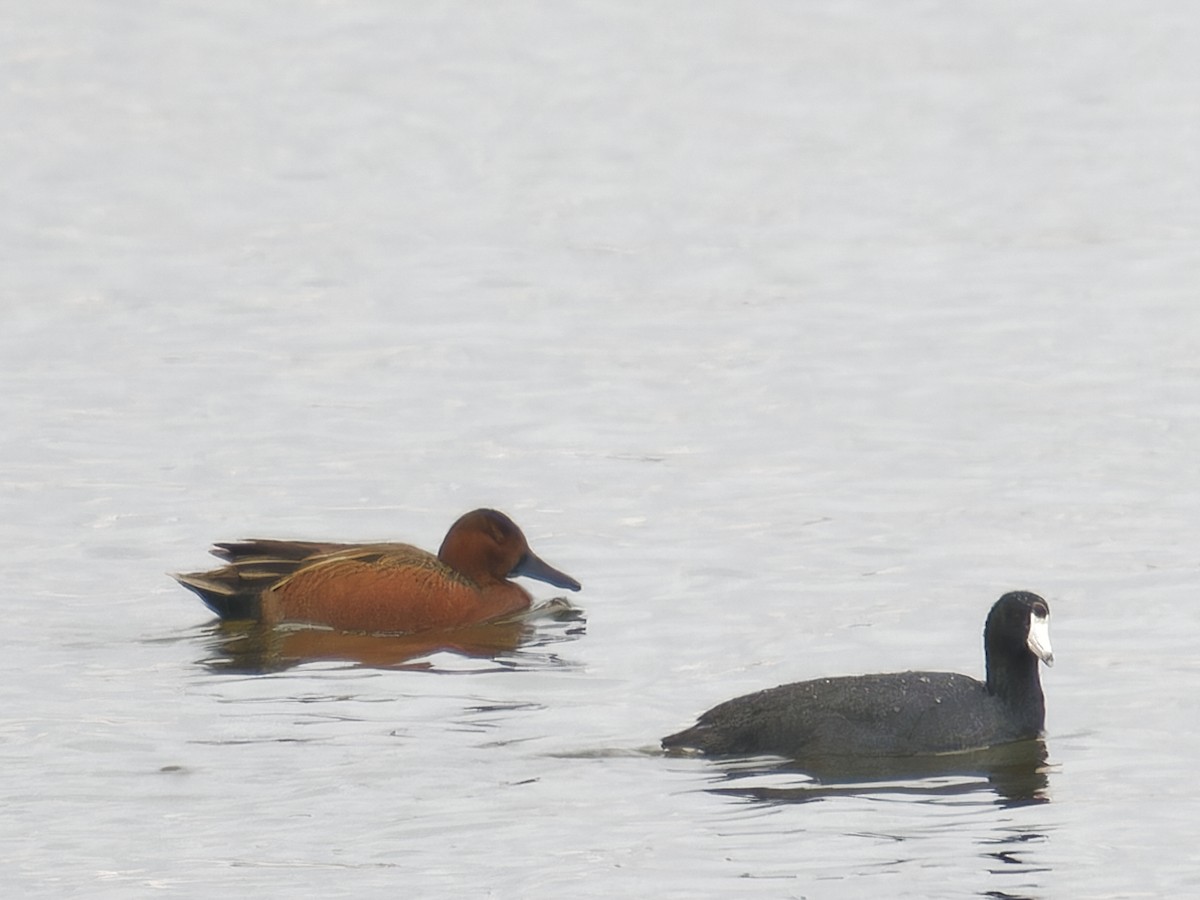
(1013, 679)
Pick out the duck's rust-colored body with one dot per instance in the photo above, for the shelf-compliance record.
(379, 588)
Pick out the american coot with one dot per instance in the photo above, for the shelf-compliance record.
(898, 714)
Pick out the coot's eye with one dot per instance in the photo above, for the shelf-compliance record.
(1040, 610)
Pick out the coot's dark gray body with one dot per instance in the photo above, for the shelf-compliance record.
(896, 714)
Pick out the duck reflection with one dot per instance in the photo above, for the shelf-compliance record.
(254, 648)
(1016, 772)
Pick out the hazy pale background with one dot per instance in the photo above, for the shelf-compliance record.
(796, 332)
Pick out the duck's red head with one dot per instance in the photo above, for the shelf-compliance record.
(488, 547)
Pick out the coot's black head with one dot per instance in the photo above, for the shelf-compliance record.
(1018, 628)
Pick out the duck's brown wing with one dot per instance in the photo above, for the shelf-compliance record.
(233, 591)
(265, 549)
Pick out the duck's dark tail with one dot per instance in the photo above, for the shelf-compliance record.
(233, 591)
(224, 592)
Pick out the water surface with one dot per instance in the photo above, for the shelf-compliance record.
(797, 334)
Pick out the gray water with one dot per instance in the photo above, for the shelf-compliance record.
(796, 332)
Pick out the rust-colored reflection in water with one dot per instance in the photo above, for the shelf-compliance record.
(253, 647)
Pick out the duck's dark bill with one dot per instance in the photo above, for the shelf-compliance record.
(532, 567)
